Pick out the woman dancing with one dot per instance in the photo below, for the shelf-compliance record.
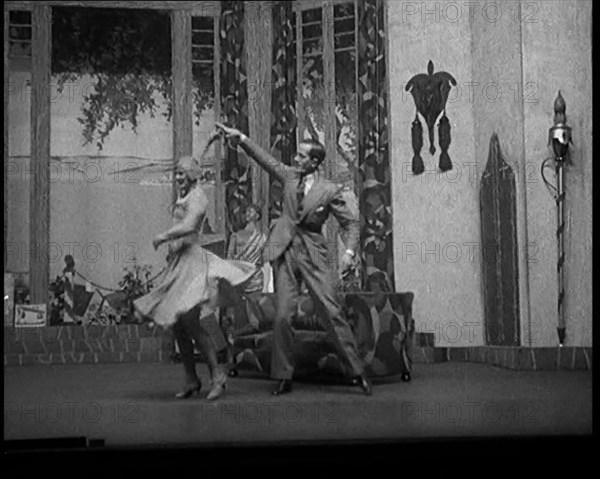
(189, 290)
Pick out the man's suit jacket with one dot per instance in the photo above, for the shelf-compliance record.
(324, 198)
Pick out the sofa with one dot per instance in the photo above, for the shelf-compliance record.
(382, 324)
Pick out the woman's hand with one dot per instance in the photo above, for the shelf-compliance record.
(158, 240)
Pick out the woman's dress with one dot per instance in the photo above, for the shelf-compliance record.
(193, 272)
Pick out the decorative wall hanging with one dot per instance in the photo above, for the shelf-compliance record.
(234, 108)
(376, 220)
(430, 93)
(283, 97)
(499, 250)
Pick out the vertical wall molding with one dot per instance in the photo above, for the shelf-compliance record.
(522, 234)
(6, 119)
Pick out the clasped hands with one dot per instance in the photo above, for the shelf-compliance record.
(232, 134)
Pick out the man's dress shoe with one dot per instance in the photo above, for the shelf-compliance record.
(364, 384)
(284, 387)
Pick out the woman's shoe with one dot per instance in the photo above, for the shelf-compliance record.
(189, 391)
(218, 385)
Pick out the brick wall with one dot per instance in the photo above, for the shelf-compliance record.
(524, 358)
(86, 344)
(139, 343)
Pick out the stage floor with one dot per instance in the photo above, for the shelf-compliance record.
(132, 404)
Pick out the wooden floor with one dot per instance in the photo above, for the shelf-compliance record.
(132, 404)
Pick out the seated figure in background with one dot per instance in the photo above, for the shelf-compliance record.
(245, 245)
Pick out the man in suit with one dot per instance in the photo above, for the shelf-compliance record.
(298, 251)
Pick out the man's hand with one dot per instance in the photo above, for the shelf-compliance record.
(346, 262)
(158, 240)
(232, 134)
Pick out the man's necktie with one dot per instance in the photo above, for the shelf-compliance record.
(300, 192)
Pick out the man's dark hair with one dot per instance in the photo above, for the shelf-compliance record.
(317, 150)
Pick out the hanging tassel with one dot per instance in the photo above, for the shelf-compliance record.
(417, 144)
(444, 139)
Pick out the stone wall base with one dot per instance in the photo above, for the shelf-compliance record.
(140, 343)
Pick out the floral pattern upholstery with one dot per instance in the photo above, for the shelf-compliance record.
(382, 323)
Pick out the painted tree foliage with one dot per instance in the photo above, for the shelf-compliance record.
(128, 55)
(315, 92)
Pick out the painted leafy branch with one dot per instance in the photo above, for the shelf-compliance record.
(127, 54)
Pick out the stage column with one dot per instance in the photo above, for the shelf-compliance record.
(39, 212)
(181, 64)
(258, 40)
(6, 93)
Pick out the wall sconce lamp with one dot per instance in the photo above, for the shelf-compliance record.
(559, 137)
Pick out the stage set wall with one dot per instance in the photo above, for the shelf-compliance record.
(106, 204)
(437, 215)
(437, 234)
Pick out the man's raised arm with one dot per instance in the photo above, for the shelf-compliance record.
(263, 158)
